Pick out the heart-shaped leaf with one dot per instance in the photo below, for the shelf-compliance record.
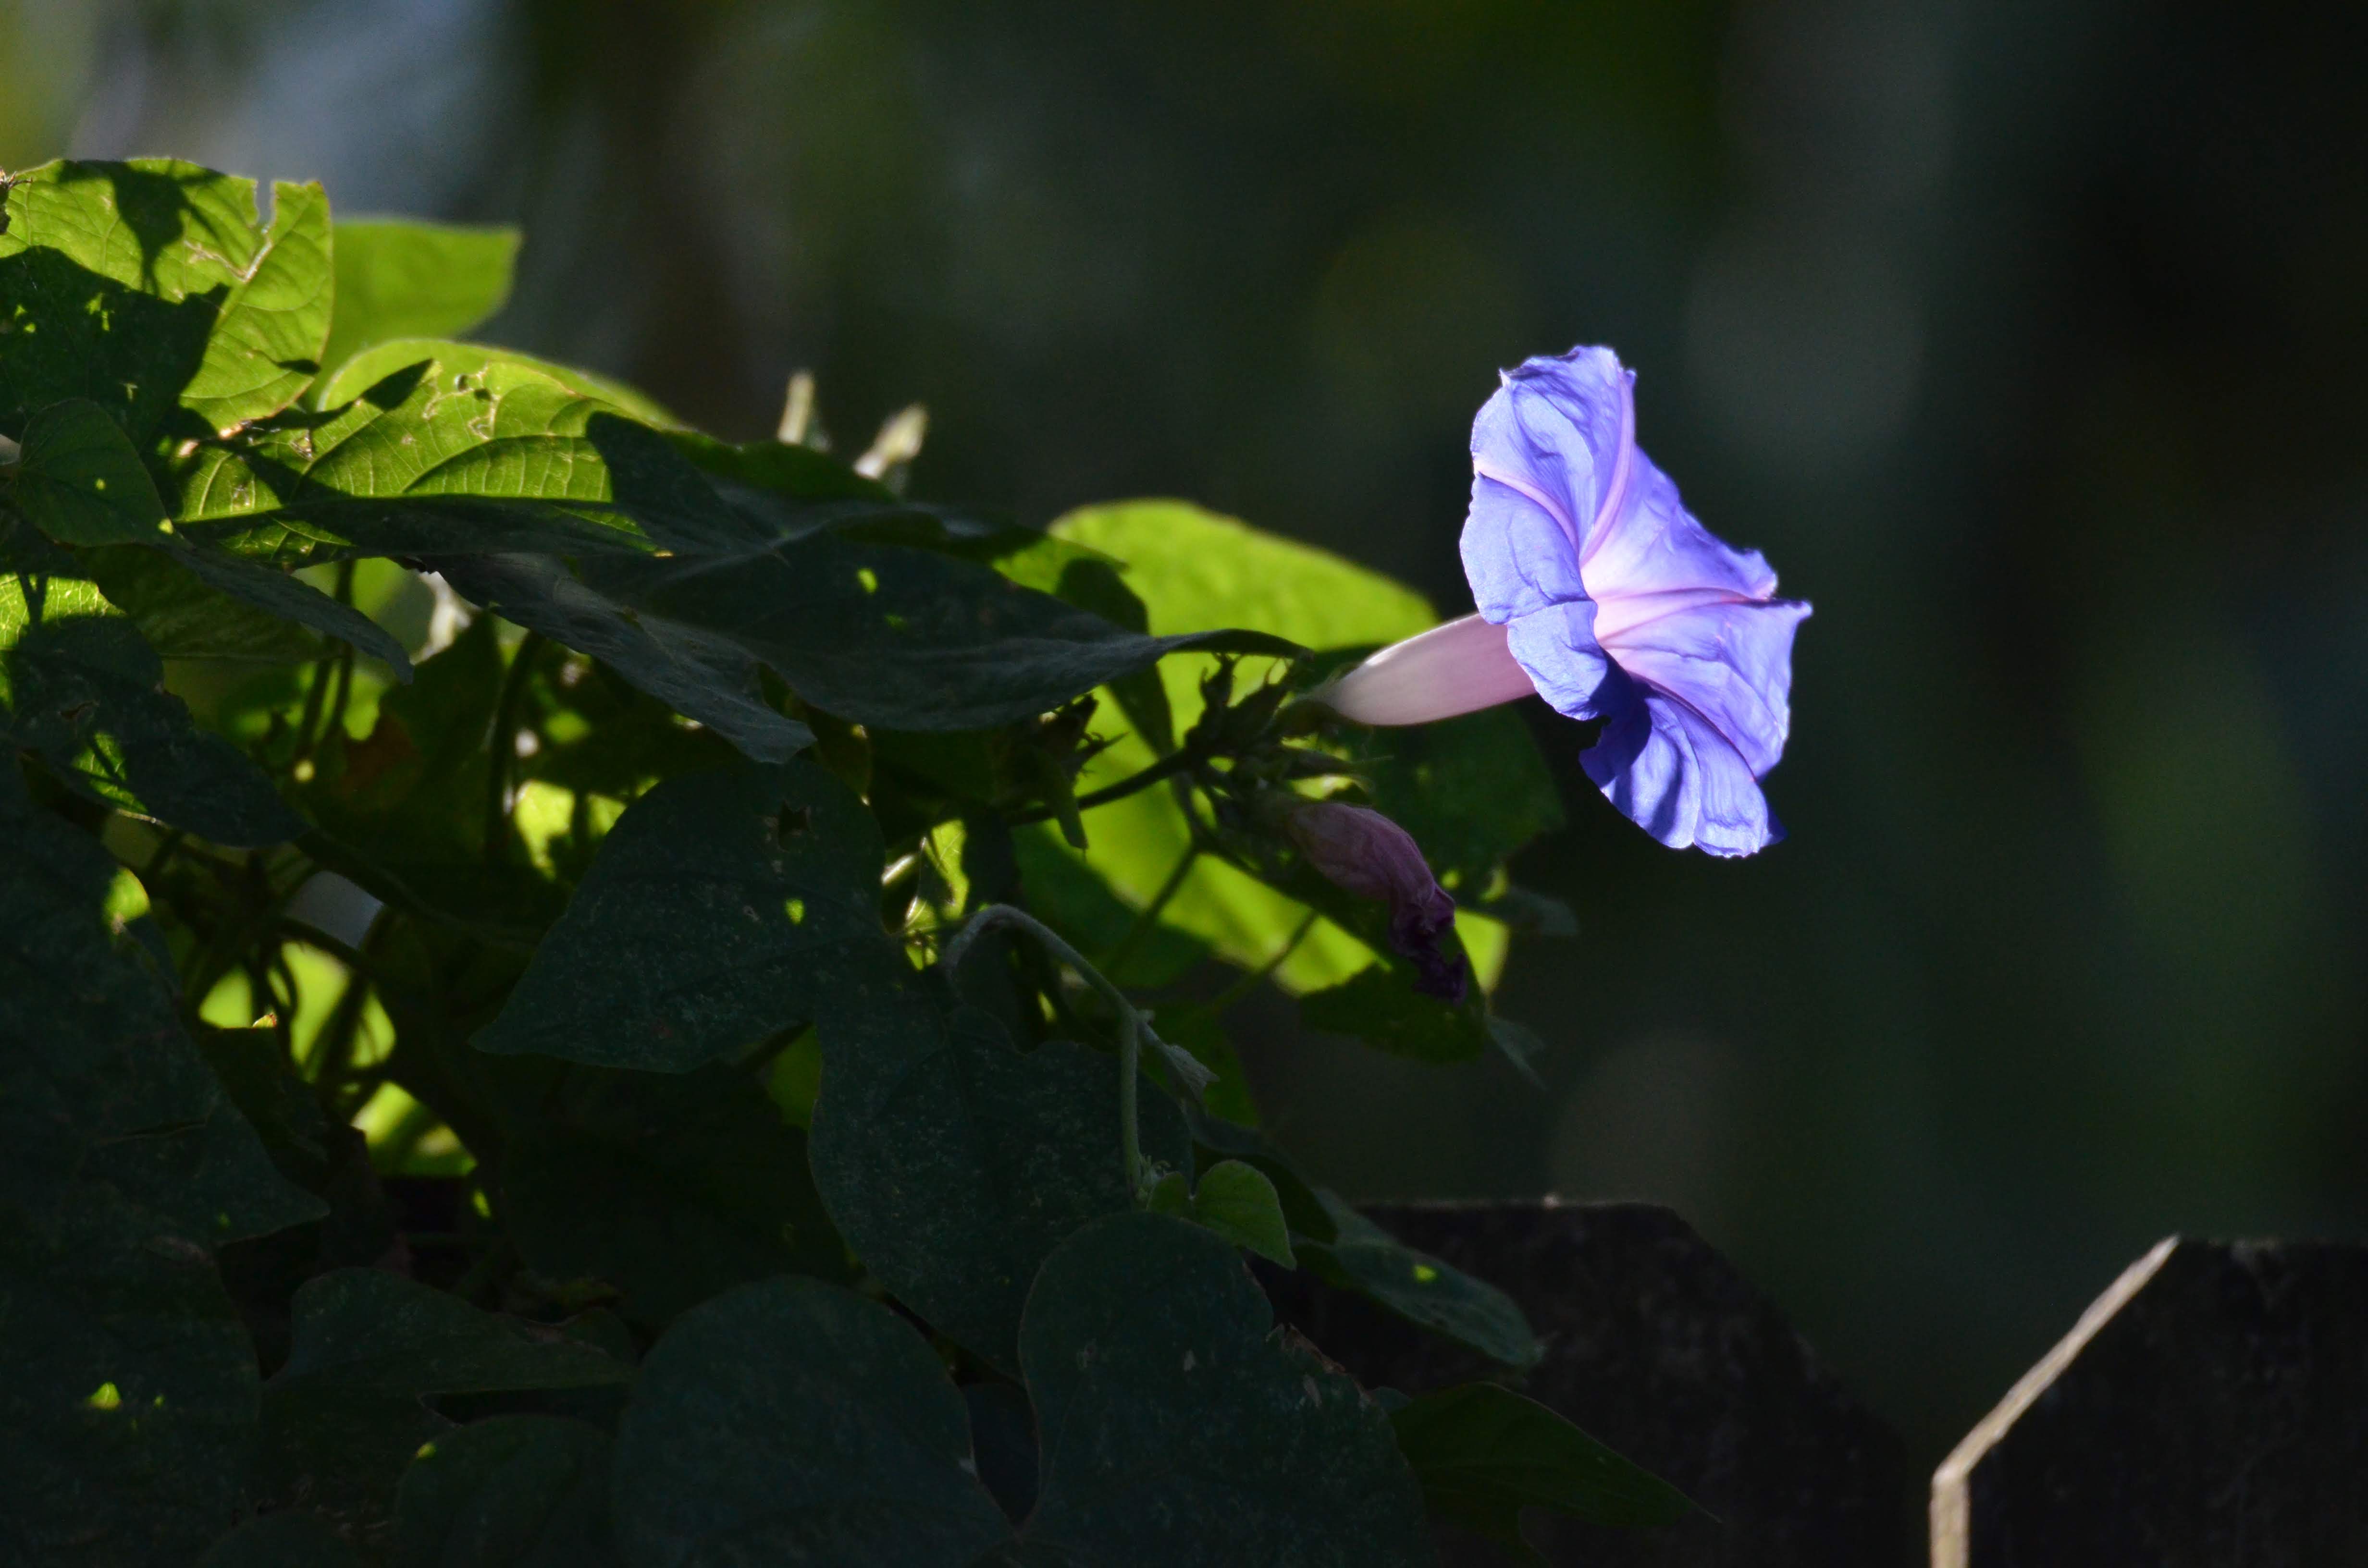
(953, 1164)
(348, 1411)
(722, 908)
(1177, 1428)
(512, 1492)
(792, 1421)
(670, 1187)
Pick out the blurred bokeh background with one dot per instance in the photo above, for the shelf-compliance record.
(2025, 338)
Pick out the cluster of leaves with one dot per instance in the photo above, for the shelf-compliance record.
(515, 1109)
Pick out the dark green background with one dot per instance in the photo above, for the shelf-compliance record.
(2024, 336)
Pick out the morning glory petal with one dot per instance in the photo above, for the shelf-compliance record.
(1558, 651)
(1617, 605)
(1653, 546)
(1669, 770)
(1729, 660)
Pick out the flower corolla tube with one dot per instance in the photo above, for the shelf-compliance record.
(1598, 590)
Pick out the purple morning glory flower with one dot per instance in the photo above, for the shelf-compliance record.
(1600, 591)
(1366, 854)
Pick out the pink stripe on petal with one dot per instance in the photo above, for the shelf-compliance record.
(1545, 502)
(1460, 667)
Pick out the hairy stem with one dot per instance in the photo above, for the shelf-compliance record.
(1134, 1028)
(1175, 762)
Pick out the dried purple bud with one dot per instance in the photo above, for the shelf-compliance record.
(1372, 857)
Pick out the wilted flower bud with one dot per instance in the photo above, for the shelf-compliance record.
(1372, 857)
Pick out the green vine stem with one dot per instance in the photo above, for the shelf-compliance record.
(1133, 1028)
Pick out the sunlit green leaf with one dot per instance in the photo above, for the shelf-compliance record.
(429, 461)
(1192, 568)
(356, 375)
(151, 288)
(794, 1421)
(400, 278)
(1195, 569)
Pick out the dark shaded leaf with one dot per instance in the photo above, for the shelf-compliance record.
(671, 1188)
(1340, 1245)
(292, 599)
(1179, 1431)
(348, 1411)
(799, 474)
(97, 1080)
(1381, 1007)
(128, 1414)
(512, 1492)
(1484, 1452)
(1364, 1257)
(794, 1421)
(400, 278)
(953, 1164)
(181, 616)
(722, 908)
(1519, 1045)
(79, 480)
(78, 686)
(282, 1541)
(899, 638)
(697, 673)
(1200, 1028)
(1003, 1436)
